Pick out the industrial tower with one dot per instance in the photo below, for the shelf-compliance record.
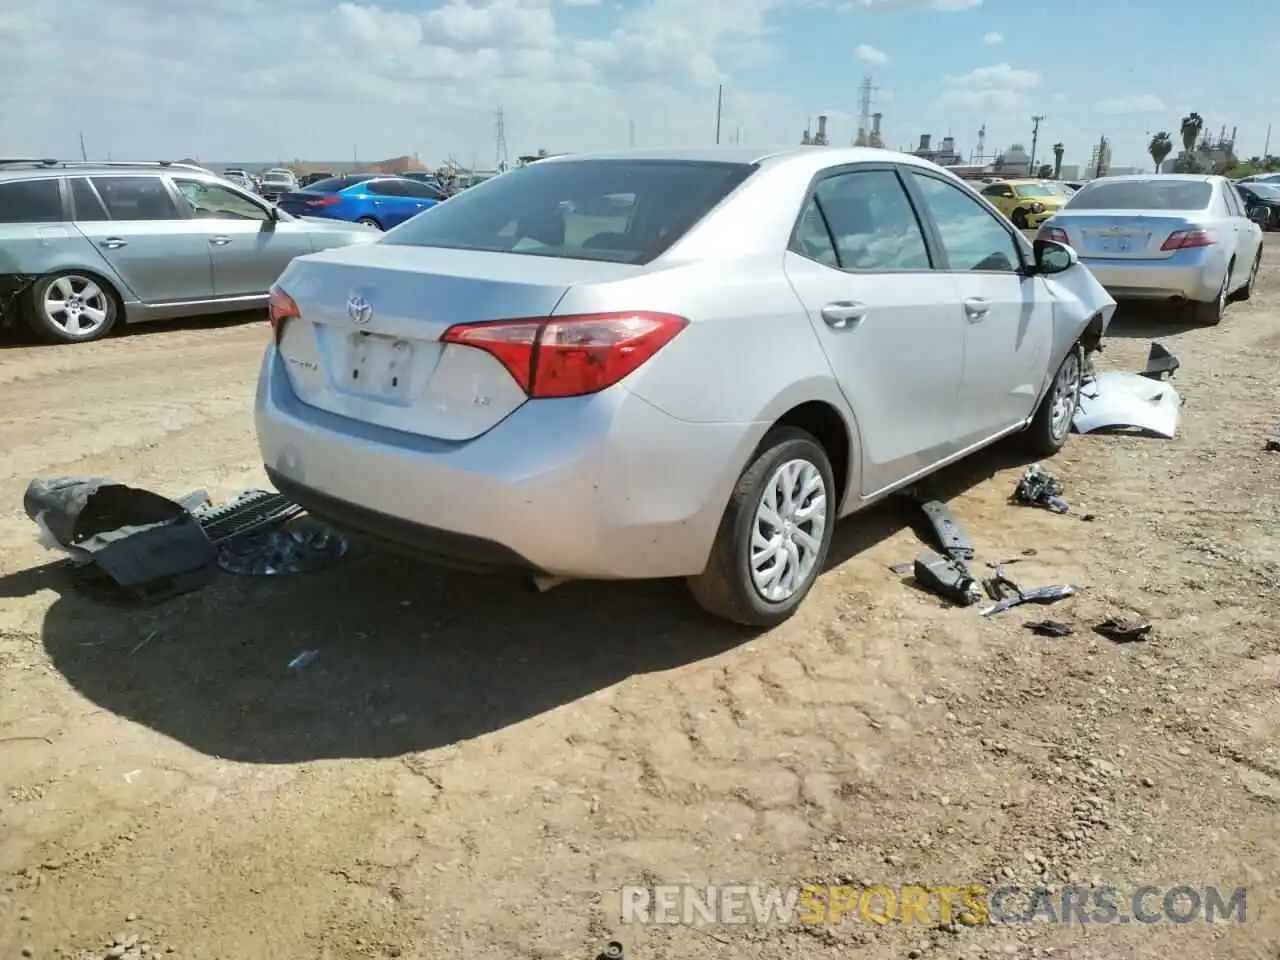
(868, 131)
(500, 139)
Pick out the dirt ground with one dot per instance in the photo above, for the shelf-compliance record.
(470, 770)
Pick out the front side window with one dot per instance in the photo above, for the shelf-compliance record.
(30, 201)
(213, 202)
(1033, 190)
(623, 210)
(870, 222)
(137, 198)
(972, 237)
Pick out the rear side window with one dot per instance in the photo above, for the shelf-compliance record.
(30, 201)
(416, 188)
(137, 198)
(1155, 194)
(88, 207)
(335, 184)
(625, 211)
(386, 188)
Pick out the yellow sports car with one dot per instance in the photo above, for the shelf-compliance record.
(1028, 203)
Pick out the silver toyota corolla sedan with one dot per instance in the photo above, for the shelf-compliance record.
(668, 364)
(1181, 238)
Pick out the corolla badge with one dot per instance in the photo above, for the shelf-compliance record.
(359, 309)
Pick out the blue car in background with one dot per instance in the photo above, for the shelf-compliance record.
(382, 202)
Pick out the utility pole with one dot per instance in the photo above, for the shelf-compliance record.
(500, 139)
(1266, 147)
(83, 154)
(1102, 157)
(632, 134)
(1035, 137)
(719, 110)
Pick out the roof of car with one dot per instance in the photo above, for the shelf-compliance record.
(814, 158)
(38, 170)
(1162, 177)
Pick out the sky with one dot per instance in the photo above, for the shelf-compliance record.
(336, 79)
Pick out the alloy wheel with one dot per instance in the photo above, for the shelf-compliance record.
(1066, 395)
(787, 530)
(76, 305)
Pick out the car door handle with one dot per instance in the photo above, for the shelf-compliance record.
(976, 308)
(113, 243)
(844, 314)
(219, 241)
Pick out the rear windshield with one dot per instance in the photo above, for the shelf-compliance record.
(1155, 194)
(624, 211)
(334, 184)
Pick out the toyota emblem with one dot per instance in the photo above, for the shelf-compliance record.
(359, 309)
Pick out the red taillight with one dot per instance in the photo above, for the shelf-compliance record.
(1187, 239)
(280, 307)
(570, 356)
(325, 201)
(1056, 234)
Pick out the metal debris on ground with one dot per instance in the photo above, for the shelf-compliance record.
(612, 951)
(948, 577)
(304, 659)
(1049, 594)
(1124, 630)
(1050, 628)
(302, 549)
(1037, 487)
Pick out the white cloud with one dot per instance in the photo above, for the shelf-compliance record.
(1060, 98)
(314, 78)
(581, 3)
(1135, 103)
(999, 87)
(869, 54)
(993, 39)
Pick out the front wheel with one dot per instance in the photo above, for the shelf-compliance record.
(1020, 219)
(1051, 425)
(775, 533)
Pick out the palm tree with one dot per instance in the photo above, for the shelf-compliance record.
(1160, 147)
(1192, 124)
(1058, 151)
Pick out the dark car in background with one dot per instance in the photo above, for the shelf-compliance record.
(311, 178)
(1261, 203)
(368, 198)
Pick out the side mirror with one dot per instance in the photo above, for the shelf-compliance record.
(1053, 257)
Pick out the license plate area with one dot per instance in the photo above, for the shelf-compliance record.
(378, 367)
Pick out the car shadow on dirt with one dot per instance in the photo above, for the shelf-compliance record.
(19, 335)
(1151, 321)
(406, 657)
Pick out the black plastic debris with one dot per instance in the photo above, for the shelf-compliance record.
(948, 577)
(1050, 628)
(1123, 630)
(1272, 444)
(301, 549)
(1037, 487)
(1160, 362)
(251, 512)
(130, 543)
(950, 536)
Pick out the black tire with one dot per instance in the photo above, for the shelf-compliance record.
(369, 222)
(726, 588)
(89, 291)
(1020, 219)
(1209, 314)
(1047, 434)
(1246, 292)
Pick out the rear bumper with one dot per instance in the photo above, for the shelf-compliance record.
(599, 487)
(1157, 280)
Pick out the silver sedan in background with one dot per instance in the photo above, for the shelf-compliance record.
(1180, 238)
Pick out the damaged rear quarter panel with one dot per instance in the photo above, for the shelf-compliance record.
(31, 251)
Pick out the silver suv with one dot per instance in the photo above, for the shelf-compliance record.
(86, 245)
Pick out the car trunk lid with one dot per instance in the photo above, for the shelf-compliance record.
(1121, 234)
(367, 343)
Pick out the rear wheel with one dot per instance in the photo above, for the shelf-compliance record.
(1051, 425)
(1210, 313)
(1246, 292)
(369, 222)
(71, 307)
(775, 533)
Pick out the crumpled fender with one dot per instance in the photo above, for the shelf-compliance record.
(1115, 399)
